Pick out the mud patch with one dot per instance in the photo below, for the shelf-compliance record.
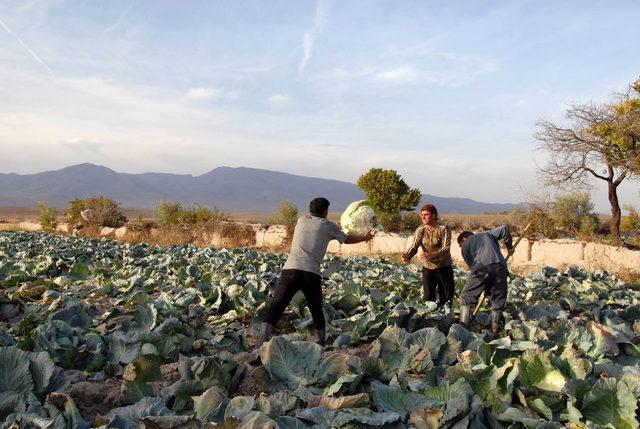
(170, 375)
(361, 351)
(95, 397)
(256, 381)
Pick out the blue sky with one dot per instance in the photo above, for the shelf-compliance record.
(446, 93)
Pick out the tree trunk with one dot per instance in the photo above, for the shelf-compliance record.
(615, 213)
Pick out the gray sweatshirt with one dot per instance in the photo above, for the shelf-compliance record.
(309, 243)
(482, 248)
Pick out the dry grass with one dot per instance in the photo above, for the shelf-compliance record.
(460, 221)
(8, 226)
(629, 276)
(19, 214)
(231, 234)
(237, 235)
(267, 217)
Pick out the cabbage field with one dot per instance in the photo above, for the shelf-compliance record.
(98, 333)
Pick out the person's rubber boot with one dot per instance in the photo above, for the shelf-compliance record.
(496, 323)
(321, 336)
(264, 333)
(445, 307)
(465, 316)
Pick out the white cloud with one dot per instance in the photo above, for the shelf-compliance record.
(279, 101)
(205, 93)
(442, 70)
(310, 35)
(403, 74)
(438, 69)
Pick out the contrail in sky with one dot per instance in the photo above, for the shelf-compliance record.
(310, 36)
(24, 45)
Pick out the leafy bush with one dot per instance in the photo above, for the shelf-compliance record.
(388, 194)
(287, 215)
(47, 216)
(392, 222)
(167, 213)
(399, 222)
(539, 214)
(95, 211)
(410, 221)
(631, 222)
(575, 212)
(173, 213)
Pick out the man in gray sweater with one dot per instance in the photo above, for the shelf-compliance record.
(487, 272)
(301, 272)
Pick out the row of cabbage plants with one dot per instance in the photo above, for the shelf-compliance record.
(85, 309)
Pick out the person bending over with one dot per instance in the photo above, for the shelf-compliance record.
(301, 271)
(487, 272)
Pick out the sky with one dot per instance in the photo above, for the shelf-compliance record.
(446, 93)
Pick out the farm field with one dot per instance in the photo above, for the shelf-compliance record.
(100, 333)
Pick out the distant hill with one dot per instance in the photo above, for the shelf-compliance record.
(242, 189)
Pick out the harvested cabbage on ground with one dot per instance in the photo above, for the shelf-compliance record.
(97, 333)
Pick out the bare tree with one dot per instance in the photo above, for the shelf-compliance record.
(600, 142)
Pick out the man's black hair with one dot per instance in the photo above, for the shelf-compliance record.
(463, 236)
(318, 206)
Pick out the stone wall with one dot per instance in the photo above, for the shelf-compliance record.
(530, 255)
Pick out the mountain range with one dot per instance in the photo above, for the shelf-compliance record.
(241, 189)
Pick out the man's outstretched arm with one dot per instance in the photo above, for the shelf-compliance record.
(353, 238)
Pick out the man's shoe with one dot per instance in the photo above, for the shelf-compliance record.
(321, 336)
(264, 333)
(496, 323)
(465, 316)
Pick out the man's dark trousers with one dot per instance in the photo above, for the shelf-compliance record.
(440, 279)
(493, 280)
(290, 282)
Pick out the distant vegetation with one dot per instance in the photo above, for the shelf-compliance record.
(47, 216)
(173, 213)
(389, 195)
(97, 211)
(287, 215)
(569, 215)
(601, 141)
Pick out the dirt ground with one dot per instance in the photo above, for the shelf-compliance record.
(255, 382)
(95, 397)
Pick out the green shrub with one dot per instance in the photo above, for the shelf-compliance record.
(72, 213)
(287, 215)
(539, 213)
(575, 212)
(631, 222)
(47, 216)
(391, 222)
(95, 211)
(410, 221)
(389, 195)
(167, 213)
(173, 213)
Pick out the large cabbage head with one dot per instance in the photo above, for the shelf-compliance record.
(359, 218)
